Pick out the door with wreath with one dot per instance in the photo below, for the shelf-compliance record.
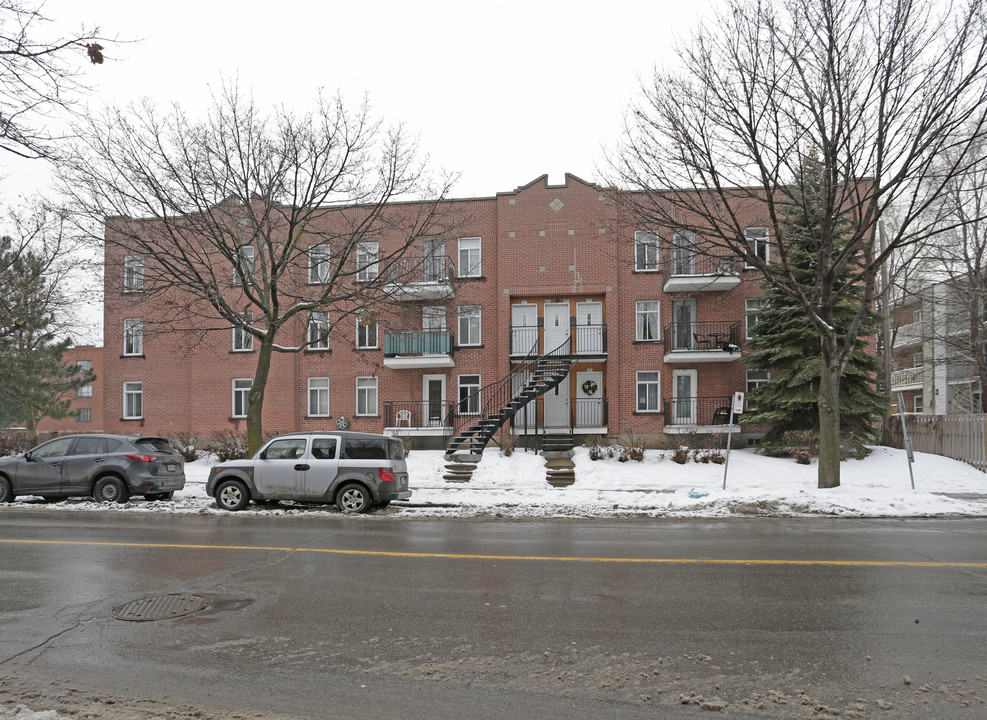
(589, 399)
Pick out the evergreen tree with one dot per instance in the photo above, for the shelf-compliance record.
(787, 345)
(34, 381)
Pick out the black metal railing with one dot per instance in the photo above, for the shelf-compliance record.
(698, 410)
(685, 335)
(428, 269)
(684, 262)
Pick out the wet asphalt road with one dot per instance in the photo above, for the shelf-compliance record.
(377, 617)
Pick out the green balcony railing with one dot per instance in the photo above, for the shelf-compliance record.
(418, 342)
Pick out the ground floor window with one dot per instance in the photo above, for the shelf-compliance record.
(648, 391)
(318, 396)
(366, 396)
(133, 400)
(241, 392)
(84, 415)
(469, 394)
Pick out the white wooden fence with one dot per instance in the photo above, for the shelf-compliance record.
(961, 437)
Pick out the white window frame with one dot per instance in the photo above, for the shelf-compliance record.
(87, 412)
(366, 396)
(133, 337)
(917, 403)
(243, 268)
(318, 397)
(469, 325)
(760, 377)
(318, 264)
(643, 310)
(367, 334)
(753, 306)
(133, 400)
(472, 388)
(85, 366)
(757, 238)
(316, 340)
(133, 273)
(241, 393)
(367, 261)
(243, 341)
(649, 242)
(470, 257)
(648, 383)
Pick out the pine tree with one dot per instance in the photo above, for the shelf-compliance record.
(786, 344)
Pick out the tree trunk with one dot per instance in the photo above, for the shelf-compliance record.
(255, 403)
(829, 422)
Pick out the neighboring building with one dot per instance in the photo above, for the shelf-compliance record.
(87, 401)
(655, 332)
(932, 364)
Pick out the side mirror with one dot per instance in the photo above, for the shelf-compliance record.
(27, 455)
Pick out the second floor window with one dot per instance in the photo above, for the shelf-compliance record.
(469, 257)
(645, 251)
(367, 257)
(318, 264)
(753, 308)
(133, 336)
(243, 269)
(133, 273)
(647, 321)
(469, 325)
(757, 241)
(318, 330)
(243, 341)
(366, 331)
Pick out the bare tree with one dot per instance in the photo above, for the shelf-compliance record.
(882, 94)
(39, 74)
(253, 220)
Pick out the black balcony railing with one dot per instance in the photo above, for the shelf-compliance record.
(698, 411)
(686, 335)
(430, 269)
(683, 262)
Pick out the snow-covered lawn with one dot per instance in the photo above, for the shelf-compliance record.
(516, 487)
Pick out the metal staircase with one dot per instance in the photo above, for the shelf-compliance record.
(504, 401)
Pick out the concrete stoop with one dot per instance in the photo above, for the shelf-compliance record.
(560, 472)
(459, 470)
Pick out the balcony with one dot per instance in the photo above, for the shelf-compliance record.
(692, 414)
(589, 341)
(691, 272)
(418, 349)
(418, 415)
(908, 335)
(907, 379)
(422, 279)
(702, 342)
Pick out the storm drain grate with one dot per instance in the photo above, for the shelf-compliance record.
(161, 607)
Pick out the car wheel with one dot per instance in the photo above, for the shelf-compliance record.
(354, 498)
(110, 489)
(6, 492)
(159, 496)
(232, 495)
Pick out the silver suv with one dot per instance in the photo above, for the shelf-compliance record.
(356, 471)
(110, 468)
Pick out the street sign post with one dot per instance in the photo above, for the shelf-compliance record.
(736, 408)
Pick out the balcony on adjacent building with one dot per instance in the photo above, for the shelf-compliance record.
(589, 341)
(702, 342)
(698, 414)
(692, 272)
(427, 279)
(418, 349)
(907, 379)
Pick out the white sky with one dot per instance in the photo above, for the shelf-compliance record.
(501, 93)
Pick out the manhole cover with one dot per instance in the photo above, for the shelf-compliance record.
(161, 607)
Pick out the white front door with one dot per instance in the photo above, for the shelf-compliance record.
(684, 399)
(557, 405)
(556, 325)
(433, 400)
(589, 399)
(589, 328)
(524, 328)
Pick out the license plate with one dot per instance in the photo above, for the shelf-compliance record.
(170, 467)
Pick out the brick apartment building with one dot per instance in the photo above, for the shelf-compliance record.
(87, 401)
(653, 333)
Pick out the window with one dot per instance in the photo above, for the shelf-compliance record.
(133, 336)
(243, 341)
(469, 257)
(917, 315)
(648, 393)
(133, 273)
(318, 397)
(318, 264)
(367, 256)
(318, 330)
(366, 396)
(757, 239)
(133, 400)
(241, 393)
(645, 251)
(917, 359)
(647, 320)
(366, 331)
(84, 415)
(684, 253)
(469, 394)
(469, 325)
(433, 260)
(85, 367)
(752, 310)
(917, 403)
(324, 448)
(755, 379)
(244, 266)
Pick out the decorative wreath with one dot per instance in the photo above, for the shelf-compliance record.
(589, 387)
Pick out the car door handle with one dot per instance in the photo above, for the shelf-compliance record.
(301, 466)
(97, 460)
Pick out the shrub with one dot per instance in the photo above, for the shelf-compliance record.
(15, 443)
(227, 445)
(507, 441)
(187, 445)
(681, 455)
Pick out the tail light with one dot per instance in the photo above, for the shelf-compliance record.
(142, 458)
(386, 475)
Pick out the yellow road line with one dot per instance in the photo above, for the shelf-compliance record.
(538, 558)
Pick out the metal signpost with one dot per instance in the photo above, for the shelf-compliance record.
(736, 408)
(908, 440)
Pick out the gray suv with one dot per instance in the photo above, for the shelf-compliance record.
(356, 471)
(110, 468)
